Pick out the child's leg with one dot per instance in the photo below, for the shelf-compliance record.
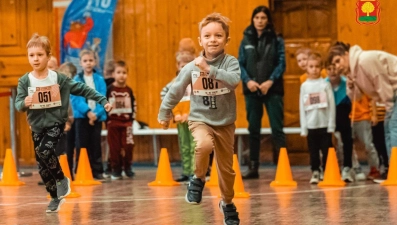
(184, 145)
(203, 136)
(128, 145)
(364, 134)
(114, 140)
(224, 150)
(192, 145)
(49, 167)
(379, 142)
(347, 145)
(314, 148)
(325, 144)
(94, 150)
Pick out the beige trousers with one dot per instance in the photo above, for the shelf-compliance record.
(221, 139)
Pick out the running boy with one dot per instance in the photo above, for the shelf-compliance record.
(214, 75)
(119, 122)
(44, 95)
(317, 114)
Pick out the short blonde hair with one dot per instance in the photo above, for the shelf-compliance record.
(68, 68)
(217, 18)
(87, 52)
(184, 56)
(187, 44)
(304, 50)
(316, 56)
(40, 41)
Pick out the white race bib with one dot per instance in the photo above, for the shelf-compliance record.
(205, 86)
(315, 100)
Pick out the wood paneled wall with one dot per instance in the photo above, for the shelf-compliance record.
(146, 35)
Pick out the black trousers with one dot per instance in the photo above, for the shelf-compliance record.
(89, 137)
(70, 145)
(275, 109)
(318, 139)
(378, 133)
(47, 161)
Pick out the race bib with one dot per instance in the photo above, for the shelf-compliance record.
(121, 102)
(205, 86)
(315, 101)
(45, 97)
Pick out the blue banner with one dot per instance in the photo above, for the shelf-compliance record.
(87, 24)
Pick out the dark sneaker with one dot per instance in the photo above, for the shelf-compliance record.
(116, 176)
(99, 177)
(230, 213)
(40, 183)
(63, 188)
(194, 191)
(55, 205)
(182, 178)
(129, 173)
(107, 174)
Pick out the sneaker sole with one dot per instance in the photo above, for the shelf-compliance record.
(69, 190)
(192, 203)
(59, 207)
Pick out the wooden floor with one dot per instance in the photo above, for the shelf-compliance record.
(134, 202)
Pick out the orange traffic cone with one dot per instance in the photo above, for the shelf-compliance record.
(283, 173)
(10, 175)
(238, 187)
(164, 173)
(332, 176)
(65, 168)
(84, 173)
(392, 174)
(213, 182)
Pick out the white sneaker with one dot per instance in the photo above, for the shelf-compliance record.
(315, 177)
(359, 175)
(347, 174)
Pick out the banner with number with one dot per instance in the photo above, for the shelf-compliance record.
(45, 97)
(87, 24)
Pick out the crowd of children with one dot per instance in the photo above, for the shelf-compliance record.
(326, 109)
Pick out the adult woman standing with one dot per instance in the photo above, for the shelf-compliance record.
(262, 63)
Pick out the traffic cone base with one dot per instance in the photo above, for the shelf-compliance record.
(10, 175)
(392, 174)
(164, 173)
(84, 172)
(332, 176)
(63, 161)
(213, 182)
(238, 187)
(283, 173)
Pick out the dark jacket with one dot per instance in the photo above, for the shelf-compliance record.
(262, 59)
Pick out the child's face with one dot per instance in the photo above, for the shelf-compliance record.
(341, 63)
(38, 58)
(260, 21)
(88, 63)
(313, 69)
(302, 60)
(332, 74)
(52, 65)
(120, 75)
(213, 39)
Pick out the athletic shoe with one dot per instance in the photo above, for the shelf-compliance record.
(359, 175)
(63, 188)
(315, 177)
(347, 174)
(230, 213)
(194, 191)
(55, 205)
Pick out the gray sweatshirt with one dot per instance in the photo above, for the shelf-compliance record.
(218, 110)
